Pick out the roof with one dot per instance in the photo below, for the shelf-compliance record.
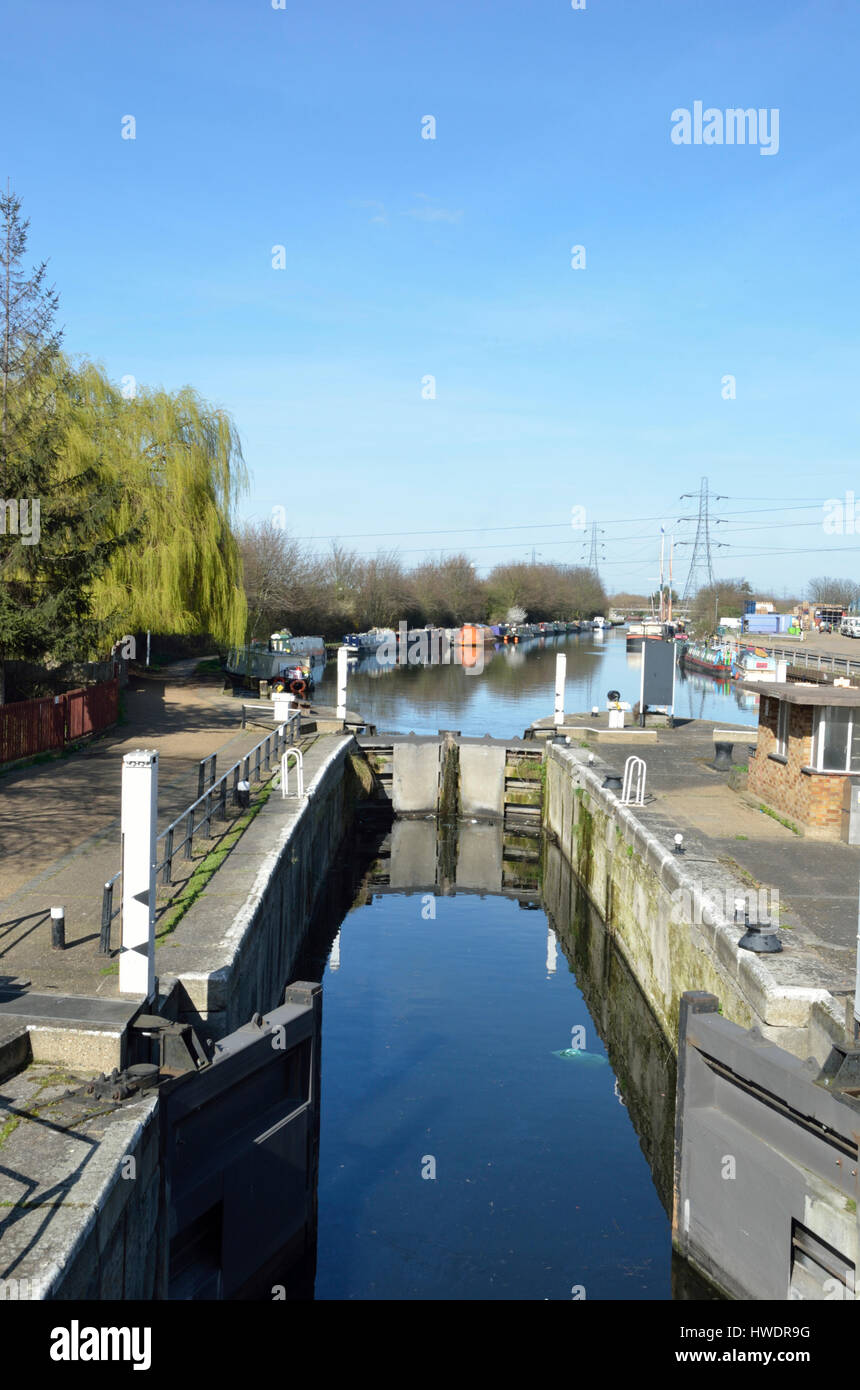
(797, 693)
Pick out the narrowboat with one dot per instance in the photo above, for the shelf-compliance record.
(713, 659)
(755, 664)
(649, 628)
(292, 661)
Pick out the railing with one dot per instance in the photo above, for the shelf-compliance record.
(285, 773)
(251, 708)
(270, 749)
(633, 794)
(800, 656)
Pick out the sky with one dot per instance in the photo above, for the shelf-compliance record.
(421, 367)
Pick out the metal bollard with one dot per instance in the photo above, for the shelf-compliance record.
(58, 928)
(243, 793)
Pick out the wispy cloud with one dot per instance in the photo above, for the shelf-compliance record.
(429, 211)
(378, 209)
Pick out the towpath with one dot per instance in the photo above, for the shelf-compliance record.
(60, 824)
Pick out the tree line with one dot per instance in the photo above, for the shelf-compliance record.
(288, 585)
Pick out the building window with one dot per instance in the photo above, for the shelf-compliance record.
(837, 740)
(782, 729)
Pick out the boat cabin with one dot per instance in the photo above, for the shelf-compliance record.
(808, 754)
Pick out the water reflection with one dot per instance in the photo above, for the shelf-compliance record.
(517, 685)
(447, 1008)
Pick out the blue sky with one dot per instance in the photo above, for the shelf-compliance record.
(407, 257)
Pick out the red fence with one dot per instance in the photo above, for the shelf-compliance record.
(39, 726)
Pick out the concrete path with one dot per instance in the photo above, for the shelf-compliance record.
(817, 881)
(60, 832)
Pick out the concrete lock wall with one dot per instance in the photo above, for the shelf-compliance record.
(237, 946)
(635, 883)
(765, 1201)
(102, 1241)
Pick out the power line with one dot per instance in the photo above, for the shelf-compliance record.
(527, 526)
(701, 567)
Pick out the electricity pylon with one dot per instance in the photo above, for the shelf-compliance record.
(701, 572)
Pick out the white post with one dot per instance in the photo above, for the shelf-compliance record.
(147, 649)
(560, 672)
(281, 705)
(551, 953)
(342, 668)
(138, 822)
(334, 958)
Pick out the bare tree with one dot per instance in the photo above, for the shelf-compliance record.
(834, 593)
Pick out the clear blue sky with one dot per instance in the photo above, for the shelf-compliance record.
(601, 387)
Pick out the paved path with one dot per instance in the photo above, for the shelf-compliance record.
(59, 824)
(817, 880)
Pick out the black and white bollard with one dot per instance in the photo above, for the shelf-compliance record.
(138, 818)
(58, 928)
(243, 794)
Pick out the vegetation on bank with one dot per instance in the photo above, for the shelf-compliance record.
(288, 585)
(115, 505)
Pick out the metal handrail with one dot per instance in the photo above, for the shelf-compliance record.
(634, 766)
(797, 656)
(286, 733)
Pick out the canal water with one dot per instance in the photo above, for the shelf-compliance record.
(480, 1101)
(517, 684)
(497, 1099)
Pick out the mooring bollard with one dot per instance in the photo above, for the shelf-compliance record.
(58, 928)
(560, 675)
(243, 794)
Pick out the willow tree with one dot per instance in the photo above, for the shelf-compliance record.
(178, 461)
(57, 511)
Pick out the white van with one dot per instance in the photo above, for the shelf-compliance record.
(850, 626)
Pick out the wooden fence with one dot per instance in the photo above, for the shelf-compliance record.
(42, 726)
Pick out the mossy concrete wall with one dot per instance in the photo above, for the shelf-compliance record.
(635, 882)
(235, 949)
(642, 1059)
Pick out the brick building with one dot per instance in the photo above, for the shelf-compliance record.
(808, 748)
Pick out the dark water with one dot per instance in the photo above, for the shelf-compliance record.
(517, 685)
(442, 1020)
(461, 1157)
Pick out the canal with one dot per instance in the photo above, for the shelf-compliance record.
(516, 685)
(497, 1099)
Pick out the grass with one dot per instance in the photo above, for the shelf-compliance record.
(789, 825)
(210, 667)
(742, 837)
(55, 1078)
(196, 884)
